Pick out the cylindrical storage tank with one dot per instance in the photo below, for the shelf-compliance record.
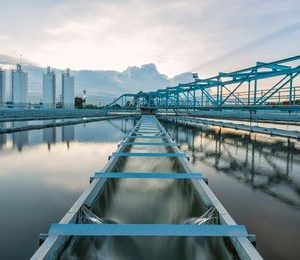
(2, 87)
(19, 87)
(68, 90)
(49, 89)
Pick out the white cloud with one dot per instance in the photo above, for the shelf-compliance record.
(175, 35)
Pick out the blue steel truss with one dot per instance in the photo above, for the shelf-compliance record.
(265, 85)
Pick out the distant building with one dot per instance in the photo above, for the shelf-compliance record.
(67, 90)
(49, 89)
(2, 86)
(19, 86)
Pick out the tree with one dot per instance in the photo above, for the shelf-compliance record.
(79, 101)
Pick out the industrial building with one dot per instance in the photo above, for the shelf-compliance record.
(67, 90)
(19, 86)
(49, 89)
(2, 86)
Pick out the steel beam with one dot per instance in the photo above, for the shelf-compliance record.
(148, 230)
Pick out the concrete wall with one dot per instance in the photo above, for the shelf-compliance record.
(266, 115)
(49, 113)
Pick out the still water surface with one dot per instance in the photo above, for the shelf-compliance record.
(43, 172)
(257, 179)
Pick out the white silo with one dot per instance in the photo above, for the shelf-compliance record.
(49, 89)
(67, 90)
(2, 87)
(19, 86)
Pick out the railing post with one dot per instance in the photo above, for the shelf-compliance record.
(291, 90)
(249, 92)
(255, 92)
(218, 94)
(167, 100)
(177, 97)
(194, 101)
(221, 95)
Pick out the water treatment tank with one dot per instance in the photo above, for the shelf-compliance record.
(49, 89)
(19, 86)
(67, 90)
(2, 87)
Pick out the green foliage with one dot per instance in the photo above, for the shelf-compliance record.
(79, 102)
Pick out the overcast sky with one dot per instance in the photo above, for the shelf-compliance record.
(206, 36)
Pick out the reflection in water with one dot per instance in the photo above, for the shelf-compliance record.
(20, 138)
(68, 134)
(32, 180)
(2, 137)
(124, 127)
(49, 136)
(257, 179)
(264, 163)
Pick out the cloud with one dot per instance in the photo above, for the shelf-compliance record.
(101, 85)
(176, 35)
(11, 60)
(251, 47)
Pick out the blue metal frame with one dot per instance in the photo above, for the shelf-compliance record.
(147, 175)
(238, 89)
(124, 154)
(148, 230)
(70, 226)
(147, 143)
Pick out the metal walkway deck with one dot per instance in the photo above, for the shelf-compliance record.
(150, 129)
